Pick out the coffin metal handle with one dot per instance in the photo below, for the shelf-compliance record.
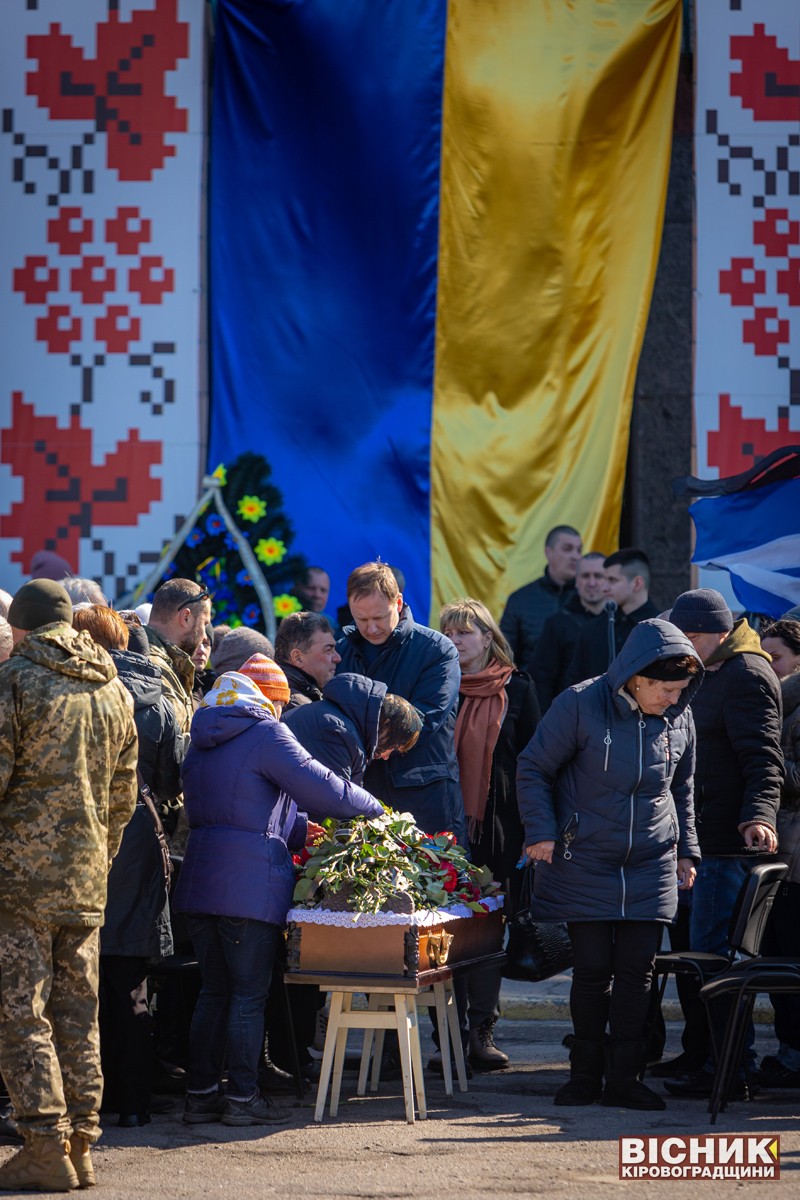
(439, 947)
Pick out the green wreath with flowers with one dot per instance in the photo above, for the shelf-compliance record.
(210, 556)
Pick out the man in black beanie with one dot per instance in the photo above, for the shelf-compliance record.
(737, 786)
(68, 751)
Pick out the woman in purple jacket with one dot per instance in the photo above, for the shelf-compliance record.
(240, 777)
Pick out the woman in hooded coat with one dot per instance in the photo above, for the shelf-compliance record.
(606, 796)
(241, 774)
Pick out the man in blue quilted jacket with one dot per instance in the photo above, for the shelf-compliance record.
(421, 665)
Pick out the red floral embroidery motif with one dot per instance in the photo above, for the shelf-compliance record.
(789, 282)
(766, 332)
(70, 231)
(776, 233)
(117, 329)
(121, 90)
(742, 282)
(35, 279)
(151, 280)
(59, 329)
(94, 281)
(769, 81)
(766, 329)
(65, 494)
(128, 231)
(741, 441)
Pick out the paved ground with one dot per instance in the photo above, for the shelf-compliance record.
(503, 1138)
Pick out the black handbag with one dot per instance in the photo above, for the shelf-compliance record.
(536, 950)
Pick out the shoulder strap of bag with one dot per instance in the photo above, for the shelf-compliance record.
(149, 802)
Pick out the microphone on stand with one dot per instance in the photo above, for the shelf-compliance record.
(610, 607)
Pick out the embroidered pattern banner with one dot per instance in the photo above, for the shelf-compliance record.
(434, 231)
(747, 137)
(101, 153)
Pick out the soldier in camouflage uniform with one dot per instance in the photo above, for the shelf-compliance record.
(68, 752)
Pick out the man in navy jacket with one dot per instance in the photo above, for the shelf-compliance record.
(420, 665)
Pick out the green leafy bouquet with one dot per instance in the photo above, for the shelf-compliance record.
(371, 865)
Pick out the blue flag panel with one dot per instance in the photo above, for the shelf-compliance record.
(324, 193)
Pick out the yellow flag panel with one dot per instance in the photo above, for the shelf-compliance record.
(557, 124)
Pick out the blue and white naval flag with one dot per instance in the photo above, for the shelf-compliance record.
(749, 525)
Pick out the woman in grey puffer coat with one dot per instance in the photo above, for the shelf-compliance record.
(605, 794)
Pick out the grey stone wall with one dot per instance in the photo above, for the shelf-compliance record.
(661, 427)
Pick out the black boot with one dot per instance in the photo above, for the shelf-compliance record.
(624, 1089)
(586, 1062)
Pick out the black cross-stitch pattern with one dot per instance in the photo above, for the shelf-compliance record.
(157, 398)
(38, 170)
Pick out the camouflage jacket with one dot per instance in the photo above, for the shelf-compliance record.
(68, 751)
(177, 676)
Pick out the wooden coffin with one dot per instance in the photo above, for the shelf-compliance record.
(392, 950)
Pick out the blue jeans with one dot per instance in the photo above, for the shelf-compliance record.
(236, 956)
(714, 896)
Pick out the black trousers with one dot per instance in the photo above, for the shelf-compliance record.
(126, 1034)
(612, 970)
(782, 937)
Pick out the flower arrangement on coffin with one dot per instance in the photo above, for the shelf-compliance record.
(388, 864)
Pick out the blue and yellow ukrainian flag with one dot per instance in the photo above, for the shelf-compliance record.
(434, 229)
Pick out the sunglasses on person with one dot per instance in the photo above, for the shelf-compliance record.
(205, 595)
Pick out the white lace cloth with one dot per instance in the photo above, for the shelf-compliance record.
(424, 916)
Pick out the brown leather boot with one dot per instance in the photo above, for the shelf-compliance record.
(42, 1165)
(81, 1160)
(483, 1053)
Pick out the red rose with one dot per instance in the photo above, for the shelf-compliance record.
(451, 881)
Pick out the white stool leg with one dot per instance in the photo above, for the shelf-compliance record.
(444, 1036)
(404, 1040)
(327, 1054)
(416, 1059)
(366, 1049)
(338, 1059)
(455, 1037)
(377, 1049)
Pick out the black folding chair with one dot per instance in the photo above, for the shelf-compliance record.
(740, 985)
(746, 930)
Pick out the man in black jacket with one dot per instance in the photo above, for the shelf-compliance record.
(556, 643)
(737, 783)
(305, 649)
(529, 607)
(628, 587)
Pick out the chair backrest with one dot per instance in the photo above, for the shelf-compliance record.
(753, 905)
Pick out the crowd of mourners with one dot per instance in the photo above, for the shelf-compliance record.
(159, 775)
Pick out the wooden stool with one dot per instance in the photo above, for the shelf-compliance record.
(393, 1001)
(402, 1017)
(441, 996)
